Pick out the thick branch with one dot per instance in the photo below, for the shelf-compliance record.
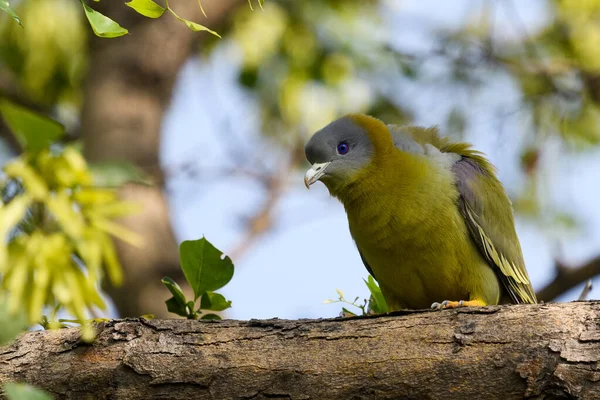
(569, 277)
(500, 352)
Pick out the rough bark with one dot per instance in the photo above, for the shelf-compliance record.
(500, 352)
(127, 91)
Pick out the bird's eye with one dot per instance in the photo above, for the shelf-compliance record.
(343, 148)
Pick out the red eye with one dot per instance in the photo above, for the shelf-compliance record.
(343, 148)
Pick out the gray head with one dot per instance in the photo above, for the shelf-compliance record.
(340, 150)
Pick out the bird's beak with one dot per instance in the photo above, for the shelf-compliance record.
(314, 173)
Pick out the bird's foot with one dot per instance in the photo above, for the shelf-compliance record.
(456, 304)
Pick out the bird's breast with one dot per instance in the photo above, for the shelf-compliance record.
(416, 242)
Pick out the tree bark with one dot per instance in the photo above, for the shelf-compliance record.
(127, 91)
(499, 352)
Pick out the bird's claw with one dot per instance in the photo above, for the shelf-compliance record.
(439, 306)
(447, 304)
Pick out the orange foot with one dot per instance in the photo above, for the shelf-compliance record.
(456, 304)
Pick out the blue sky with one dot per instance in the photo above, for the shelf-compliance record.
(290, 271)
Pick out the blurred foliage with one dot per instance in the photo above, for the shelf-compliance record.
(12, 324)
(310, 61)
(206, 269)
(557, 70)
(306, 63)
(47, 56)
(57, 225)
(22, 391)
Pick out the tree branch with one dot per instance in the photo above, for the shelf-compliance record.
(499, 352)
(567, 278)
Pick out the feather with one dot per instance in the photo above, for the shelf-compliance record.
(491, 223)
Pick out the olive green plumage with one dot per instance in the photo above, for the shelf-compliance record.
(429, 217)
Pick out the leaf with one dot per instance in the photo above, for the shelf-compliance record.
(111, 261)
(192, 25)
(117, 173)
(102, 25)
(34, 183)
(347, 313)
(12, 325)
(12, 213)
(23, 391)
(33, 131)
(174, 307)
(69, 219)
(214, 317)
(202, 8)
(116, 230)
(377, 302)
(203, 266)
(177, 303)
(147, 8)
(4, 6)
(214, 302)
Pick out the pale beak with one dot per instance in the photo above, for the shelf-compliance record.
(314, 173)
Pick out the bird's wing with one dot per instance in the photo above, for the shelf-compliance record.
(366, 264)
(489, 216)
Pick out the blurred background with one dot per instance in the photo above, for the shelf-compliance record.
(219, 125)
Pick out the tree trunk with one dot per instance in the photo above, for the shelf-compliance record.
(127, 91)
(499, 352)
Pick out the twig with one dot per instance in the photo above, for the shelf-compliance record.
(586, 290)
(568, 278)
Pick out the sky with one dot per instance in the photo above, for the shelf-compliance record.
(299, 264)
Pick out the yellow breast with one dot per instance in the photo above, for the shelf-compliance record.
(404, 218)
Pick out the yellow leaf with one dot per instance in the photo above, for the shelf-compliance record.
(117, 209)
(78, 166)
(192, 25)
(39, 291)
(77, 303)
(88, 332)
(12, 213)
(61, 207)
(16, 283)
(113, 267)
(90, 249)
(117, 230)
(90, 196)
(34, 184)
(60, 288)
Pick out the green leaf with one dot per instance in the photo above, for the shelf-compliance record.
(377, 302)
(192, 25)
(32, 130)
(22, 391)
(214, 302)
(147, 8)
(11, 325)
(4, 6)
(348, 313)
(177, 303)
(117, 173)
(211, 317)
(203, 266)
(174, 307)
(102, 25)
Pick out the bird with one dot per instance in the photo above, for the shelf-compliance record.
(430, 219)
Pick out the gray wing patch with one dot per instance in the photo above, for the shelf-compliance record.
(502, 251)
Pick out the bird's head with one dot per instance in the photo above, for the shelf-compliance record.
(344, 148)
